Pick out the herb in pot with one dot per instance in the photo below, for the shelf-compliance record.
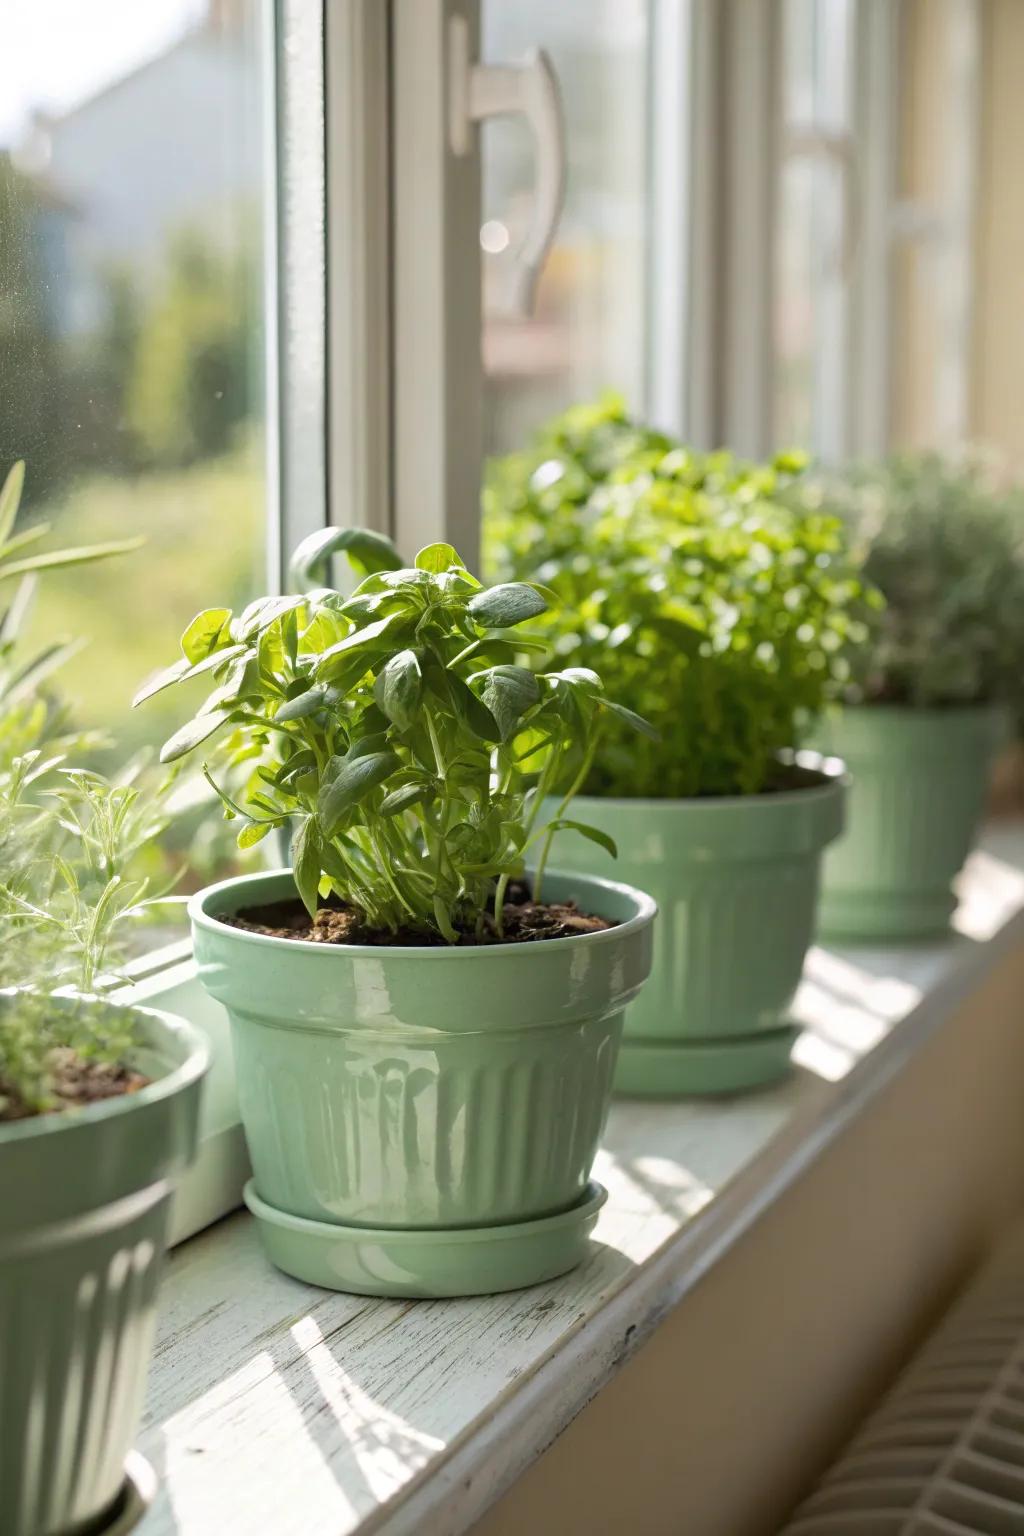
(70, 845)
(943, 541)
(397, 736)
(723, 610)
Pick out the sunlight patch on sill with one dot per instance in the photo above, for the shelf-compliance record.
(991, 892)
(203, 1498)
(657, 1190)
(387, 1449)
(846, 1010)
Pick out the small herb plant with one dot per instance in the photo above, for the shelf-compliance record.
(396, 734)
(944, 543)
(725, 614)
(70, 842)
(29, 714)
(69, 846)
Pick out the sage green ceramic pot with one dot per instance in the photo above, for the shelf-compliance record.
(736, 882)
(920, 778)
(84, 1201)
(423, 1089)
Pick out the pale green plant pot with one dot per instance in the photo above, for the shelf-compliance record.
(457, 1094)
(84, 1198)
(736, 881)
(920, 779)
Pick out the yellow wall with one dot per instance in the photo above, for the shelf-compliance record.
(997, 405)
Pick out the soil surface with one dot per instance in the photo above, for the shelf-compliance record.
(790, 776)
(524, 923)
(75, 1082)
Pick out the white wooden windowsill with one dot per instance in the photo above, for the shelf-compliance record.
(276, 1407)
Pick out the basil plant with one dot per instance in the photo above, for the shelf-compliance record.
(728, 615)
(395, 732)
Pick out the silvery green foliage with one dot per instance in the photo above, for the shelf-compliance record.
(725, 614)
(69, 841)
(943, 540)
(394, 732)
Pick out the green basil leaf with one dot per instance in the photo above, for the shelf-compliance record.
(362, 746)
(203, 634)
(508, 692)
(261, 613)
(502, 606)
(402, 799)
(354, 780)
(307, 863)
(437, 558)
(254, 833)
(366, 552)
(303, 704)
(335, 658)
(399, 689)
(472, 712)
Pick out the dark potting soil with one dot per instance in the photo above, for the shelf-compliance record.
(75, 1082)
(525, 922)
(790, 776)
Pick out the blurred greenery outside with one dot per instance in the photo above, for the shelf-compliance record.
(147, 423)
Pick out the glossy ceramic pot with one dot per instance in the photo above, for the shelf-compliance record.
(736, 882)
(422, 1088)
(920, 779)
(84, 1199)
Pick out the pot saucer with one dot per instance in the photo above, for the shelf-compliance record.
(655, 1069)
(423, 1262)
(137, 1493)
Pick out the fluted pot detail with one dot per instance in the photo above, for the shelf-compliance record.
(920, 778)
(736, 881)
(423, 1088)
(84, 1198)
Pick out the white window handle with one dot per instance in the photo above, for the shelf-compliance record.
(529, 90)
(805, 141)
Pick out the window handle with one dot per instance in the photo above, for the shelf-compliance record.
(530, 90)
(804, 141)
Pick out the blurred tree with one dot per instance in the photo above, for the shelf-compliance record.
(100, 369)
(189, 387)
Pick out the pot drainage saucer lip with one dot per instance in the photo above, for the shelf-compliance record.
(668, 1069)
(427, 1262)
(137, 1493)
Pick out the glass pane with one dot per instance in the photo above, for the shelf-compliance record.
(587, 331)
(131, 336)
(932, 291)
(811, 347)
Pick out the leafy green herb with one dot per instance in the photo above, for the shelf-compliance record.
(394, 733)
(70, 844)
(70, 847)
(721, 614)
(943, 540)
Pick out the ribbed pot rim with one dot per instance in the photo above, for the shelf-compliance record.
(937, 711)
(831, 770)
(887, 731)
(645, 911)
(934, 713)
(188, 1071)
